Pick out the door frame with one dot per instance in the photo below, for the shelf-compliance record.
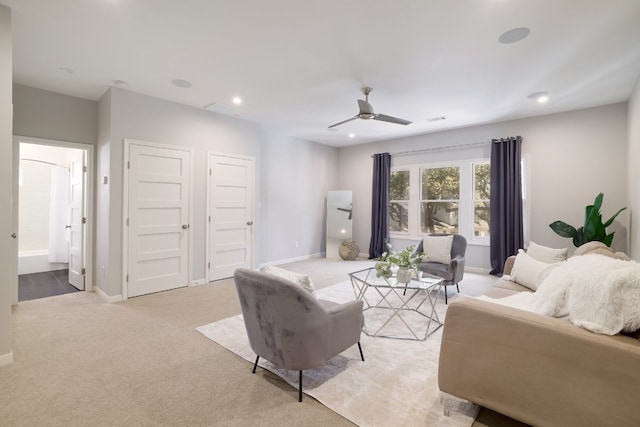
(208, 211)
(89, 206)
(125, 208)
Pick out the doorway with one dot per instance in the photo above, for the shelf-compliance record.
(52, 217)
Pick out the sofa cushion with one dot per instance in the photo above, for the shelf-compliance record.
(528, 271)
(546, 254)
(302, 280)
(438, 248)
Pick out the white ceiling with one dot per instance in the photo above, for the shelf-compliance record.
(299, 64)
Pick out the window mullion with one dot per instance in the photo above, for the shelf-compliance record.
(414, 201)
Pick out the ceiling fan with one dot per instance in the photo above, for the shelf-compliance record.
(366, 112)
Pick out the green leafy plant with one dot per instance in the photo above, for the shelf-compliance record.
(593, 228)
(405, 258)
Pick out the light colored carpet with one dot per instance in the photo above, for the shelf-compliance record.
(396, 385)
(79, 361)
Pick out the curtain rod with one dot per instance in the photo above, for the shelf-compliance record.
(448, 147)
(43, 161)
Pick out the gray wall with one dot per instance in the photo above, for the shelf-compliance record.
(296, 176)
(633, 179)
(572, 157)
(42, 114)
(6, 251)
(145, 118)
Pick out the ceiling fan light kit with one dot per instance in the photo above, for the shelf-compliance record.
(366, 112)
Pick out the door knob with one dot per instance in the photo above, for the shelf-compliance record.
(67, 226)
(14, 235)
(249, 222)
(185, 226)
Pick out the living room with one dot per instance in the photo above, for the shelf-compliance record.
(570, 157)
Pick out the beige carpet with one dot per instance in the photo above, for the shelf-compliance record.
(396, 385)
(79, 361)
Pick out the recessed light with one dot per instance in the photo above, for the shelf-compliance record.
(514, 35)
(236, 100)
(541, 97)
(66, 70)
(120, 83)
(181, 83)
(352, 135)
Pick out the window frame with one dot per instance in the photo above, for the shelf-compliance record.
(474, 238)
(408, 202)
(421, 169)
(465, 206)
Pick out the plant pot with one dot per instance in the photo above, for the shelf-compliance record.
(404, 274)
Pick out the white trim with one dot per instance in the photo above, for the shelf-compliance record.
(6, 359)
(254, 203)
(199, 282)
(288, 260)
(477, 270)
(89, 202)
(107, 298)
(127, 142)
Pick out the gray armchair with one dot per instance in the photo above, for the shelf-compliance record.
(451, 273)
(291, 328)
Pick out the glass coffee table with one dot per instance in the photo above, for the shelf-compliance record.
(398, 310)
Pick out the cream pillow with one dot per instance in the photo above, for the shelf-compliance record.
(545, 254)
(530, 272)
(302, 280)
(437, 248)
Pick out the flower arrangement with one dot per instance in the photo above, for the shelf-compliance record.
(405, 258)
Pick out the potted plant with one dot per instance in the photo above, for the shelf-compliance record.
(593, 228)
(406, 261)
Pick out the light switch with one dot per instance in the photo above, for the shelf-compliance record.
(105, 179)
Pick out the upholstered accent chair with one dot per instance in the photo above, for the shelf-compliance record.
(290, 327)
(452, 271)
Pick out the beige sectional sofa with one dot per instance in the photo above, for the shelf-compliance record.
(541, 370)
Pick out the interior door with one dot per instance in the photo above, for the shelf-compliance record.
(77, 220)
(230, 209)
(158, 234)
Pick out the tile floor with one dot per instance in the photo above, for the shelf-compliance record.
(45, 284)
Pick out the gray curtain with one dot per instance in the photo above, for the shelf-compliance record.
(380, 204)
(505, 201)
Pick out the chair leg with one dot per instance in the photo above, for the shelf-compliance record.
(444, 288)
(255, 365)
(360, 348)
(457, 288)
(300, 389)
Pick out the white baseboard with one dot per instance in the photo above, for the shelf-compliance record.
(107, 298)
(477, 270)
(6, 359)
(288, 260)
(199, 282)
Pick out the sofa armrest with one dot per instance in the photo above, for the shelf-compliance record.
(508, 265)
(540, 370)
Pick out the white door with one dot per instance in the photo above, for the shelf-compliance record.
(158, 206)
(230, 213)
(77, 221)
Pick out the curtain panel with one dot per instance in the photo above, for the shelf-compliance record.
(380, 204)
(506, 223)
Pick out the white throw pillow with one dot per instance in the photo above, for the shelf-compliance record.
(437, 248)
(530, 272)
(545, 254)
(302, 280)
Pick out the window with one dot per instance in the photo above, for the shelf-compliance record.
(481, 178)
(399, 203)
(439, 200)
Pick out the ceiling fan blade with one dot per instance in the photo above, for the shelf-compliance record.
(365, 107)
(343, 122)
(385, 118)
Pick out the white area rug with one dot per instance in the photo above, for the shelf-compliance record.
(397, 384)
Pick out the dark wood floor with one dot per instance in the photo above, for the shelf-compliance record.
(45, 284)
